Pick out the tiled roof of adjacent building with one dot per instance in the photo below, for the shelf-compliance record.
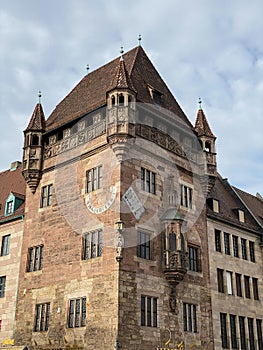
(229, 204)
(12, 181)
(137, 72)
(253, 203)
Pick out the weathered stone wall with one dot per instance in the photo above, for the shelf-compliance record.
(9, 267)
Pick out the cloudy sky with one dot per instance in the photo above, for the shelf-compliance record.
(207, 48)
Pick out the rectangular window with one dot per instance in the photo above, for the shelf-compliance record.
(242, 332)
(247, 286)
(235, 246)
(42, 317)
(250, 322)
(223, 327)
(5, 245)
(92, 245)
(215, 206)
(35, 258)
(233, 331)
(2, 286)
(238, 285)
(227, 243)
(148, 311)
(46, 196)
(259, 333)
(255, 288)
(94, 179)
(143, 245)
(193, 258)
(218, 241)
(244, 248)
(189, 318)
(77, 312)
(220, 280)
(148, 181)
(186, 196)
(229, 282)
(9, 207)
(252, 251)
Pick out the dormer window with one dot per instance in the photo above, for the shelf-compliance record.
(215, 204)
(157, 96)
(241, 215)
(13, 201)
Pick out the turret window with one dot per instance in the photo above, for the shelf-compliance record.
(35, 140)
(121, 100)
(208, 146)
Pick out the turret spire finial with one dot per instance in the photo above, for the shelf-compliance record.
(87, 68)
(200, 103)
(139, 39)
(39, 96)
(121, 52)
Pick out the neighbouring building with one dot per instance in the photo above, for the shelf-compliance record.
(12, 206)
(131, 239)
(235, 258)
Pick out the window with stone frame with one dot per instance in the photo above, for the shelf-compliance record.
(92, 244)
(148, 311)
(42, 314)
(235, 246)
(5, 245)
(2, 286)
(255, 288)
(250, 323)
(194, 262)
(229, 282)
(148, 181)
(244, 248)
(247, 286)
(46, 196)
(189, 317)
(220, 281)
(233, 332)
(77, 312)
(186, 196)
(223, 327)
(227, 243)
(35, 258)
(242, 332)
(238, 285)
(252, 251)
(218, 246)
(144, 245)
(94, 179)
(259, 333)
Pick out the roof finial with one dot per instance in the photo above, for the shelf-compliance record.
(121, 52)
(200, 103)
(39, 96)
(87, 68)
(139, 39)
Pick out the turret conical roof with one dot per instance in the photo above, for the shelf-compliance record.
(37, 121)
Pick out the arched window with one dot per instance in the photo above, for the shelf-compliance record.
(35, 140)
(121, 100)
(207, 146)
(113, 101)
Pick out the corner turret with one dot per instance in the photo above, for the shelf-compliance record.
(207, 140)
(33, 148)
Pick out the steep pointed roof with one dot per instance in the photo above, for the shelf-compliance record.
(37, 121)
(201, 125)
(90, 93)
(121, 79)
